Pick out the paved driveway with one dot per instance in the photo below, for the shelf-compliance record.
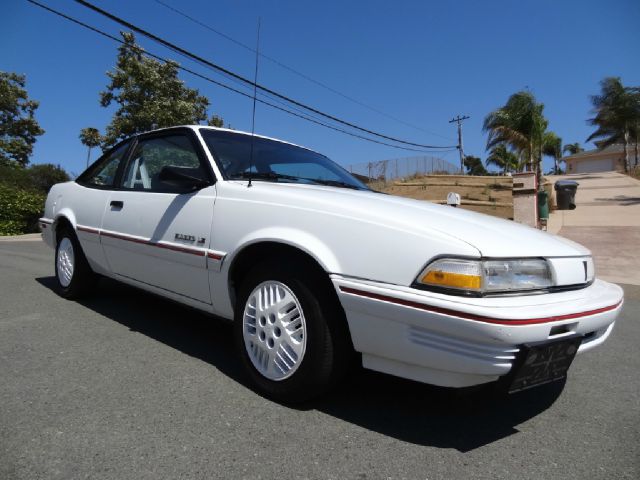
(607, 221)
(125, 385)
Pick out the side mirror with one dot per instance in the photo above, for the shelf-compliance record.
(182, 178)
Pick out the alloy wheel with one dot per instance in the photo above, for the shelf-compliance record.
(274, 330)
(65, 262)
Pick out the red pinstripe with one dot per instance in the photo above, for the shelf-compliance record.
(479, 318)
(175, 248)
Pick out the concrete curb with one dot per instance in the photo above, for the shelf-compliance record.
(29, 237)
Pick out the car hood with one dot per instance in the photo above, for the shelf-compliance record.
(491, 236)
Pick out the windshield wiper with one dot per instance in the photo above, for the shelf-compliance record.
(280, 176)
(334, 183)
(263, 176)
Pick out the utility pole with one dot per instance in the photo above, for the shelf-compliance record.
(459, 121)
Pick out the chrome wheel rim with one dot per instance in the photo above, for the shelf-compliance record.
(65, 262)
(274, 330)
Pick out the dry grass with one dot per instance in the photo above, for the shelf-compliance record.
(635, 173)
(434, 188)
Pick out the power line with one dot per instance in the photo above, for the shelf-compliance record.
(227, 87)
(253, 116)
(293, 70)
(214, 66)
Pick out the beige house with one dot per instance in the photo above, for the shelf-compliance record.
(607, 159)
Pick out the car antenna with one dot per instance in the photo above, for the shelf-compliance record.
(253, 117)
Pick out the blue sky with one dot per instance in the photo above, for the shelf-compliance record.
(421, 62)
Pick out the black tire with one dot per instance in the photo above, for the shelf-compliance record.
(83, 279)
(328, 355)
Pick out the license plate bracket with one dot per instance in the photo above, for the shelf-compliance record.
(543, 362)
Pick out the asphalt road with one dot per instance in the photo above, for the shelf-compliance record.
(127, 385)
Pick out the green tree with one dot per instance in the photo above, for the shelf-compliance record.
(474, 165)
(148, 94)
(216, 121)
(45, 175)
(501, 157)
(519, 124)
(90, 137)
(552, 146)
(18, 126)
(616, 115)
(572, 148)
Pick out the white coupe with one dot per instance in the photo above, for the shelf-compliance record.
(315, 269)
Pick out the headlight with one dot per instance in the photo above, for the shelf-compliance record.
(487, 276)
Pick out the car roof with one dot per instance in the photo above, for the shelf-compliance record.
(239, 132)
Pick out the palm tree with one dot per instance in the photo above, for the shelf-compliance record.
(572, 148)
(520, 125)
(617, 115)
(635, 133)
(91, 138)
(552, 146)
(502, 158)
(635, 127)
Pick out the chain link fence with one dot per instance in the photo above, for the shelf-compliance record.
(384, 171)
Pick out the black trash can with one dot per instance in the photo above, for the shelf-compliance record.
(566, 194)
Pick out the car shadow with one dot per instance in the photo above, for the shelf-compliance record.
(409, 411)
(185, 329)
(432, 416)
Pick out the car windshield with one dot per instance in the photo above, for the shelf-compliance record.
(274, 161)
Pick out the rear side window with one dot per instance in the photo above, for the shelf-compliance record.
(152, 155)
(103, 173)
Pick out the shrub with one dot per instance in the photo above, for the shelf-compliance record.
(19, 210)
(23, 193)
(44, 176)
(15, 176)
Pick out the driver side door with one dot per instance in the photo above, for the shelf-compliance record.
(157, 233)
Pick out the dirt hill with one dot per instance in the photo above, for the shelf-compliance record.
(491, 195)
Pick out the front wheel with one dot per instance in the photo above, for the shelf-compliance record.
(74, 276)
(287, 332)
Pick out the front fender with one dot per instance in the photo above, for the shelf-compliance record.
(300, 239)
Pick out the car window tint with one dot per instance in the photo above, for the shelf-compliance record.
(152, 155)
(104, 173)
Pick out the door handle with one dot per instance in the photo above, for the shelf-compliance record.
(117, 203)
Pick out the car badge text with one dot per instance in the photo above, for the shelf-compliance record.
(185, 238)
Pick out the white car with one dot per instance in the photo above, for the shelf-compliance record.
(315, 269)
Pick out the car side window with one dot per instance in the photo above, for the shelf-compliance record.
(103, 174)
(150, 156)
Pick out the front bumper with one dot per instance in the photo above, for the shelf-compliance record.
(458, 341)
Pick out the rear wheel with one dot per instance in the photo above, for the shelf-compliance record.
(288, 332)
(74, 276)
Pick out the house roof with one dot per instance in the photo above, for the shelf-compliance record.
(615, 148)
